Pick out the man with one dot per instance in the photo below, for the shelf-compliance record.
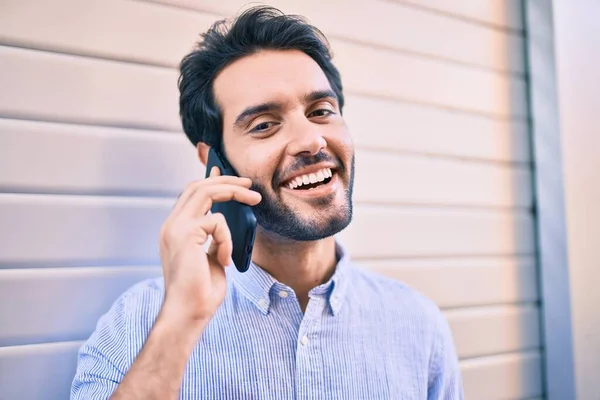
(303, 322)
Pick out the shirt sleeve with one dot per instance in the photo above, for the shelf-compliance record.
(101, 363)
(445, 381)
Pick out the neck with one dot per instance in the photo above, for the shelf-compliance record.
(299, 265)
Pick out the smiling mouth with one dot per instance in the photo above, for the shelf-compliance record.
(310, 181)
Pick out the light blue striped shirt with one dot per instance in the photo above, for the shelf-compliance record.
(362, 336)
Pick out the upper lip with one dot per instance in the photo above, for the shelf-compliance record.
(308, 170)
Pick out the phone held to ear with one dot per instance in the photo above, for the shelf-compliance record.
(240, 217)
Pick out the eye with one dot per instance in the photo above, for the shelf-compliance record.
(262, 127)
(321, 112)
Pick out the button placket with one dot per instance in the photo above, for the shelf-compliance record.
(309, 364)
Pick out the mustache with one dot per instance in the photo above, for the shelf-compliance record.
(303, 161)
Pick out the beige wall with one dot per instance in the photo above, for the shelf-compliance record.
(578, 71)
(92, 156)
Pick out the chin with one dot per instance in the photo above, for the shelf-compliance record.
(302, 224)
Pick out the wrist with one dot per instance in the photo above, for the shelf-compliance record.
(176, 323)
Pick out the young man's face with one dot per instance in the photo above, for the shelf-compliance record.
(282, 126)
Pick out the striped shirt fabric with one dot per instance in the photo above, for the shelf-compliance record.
(362, 336)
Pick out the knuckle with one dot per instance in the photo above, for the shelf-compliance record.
(191, 186)
(219, 218)
(164, 232)
(171, 232)
(168, 236)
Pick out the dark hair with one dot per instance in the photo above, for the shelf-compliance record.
(258, 28)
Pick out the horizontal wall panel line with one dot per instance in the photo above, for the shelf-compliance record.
(440, 256)
(4, 350)
(75, 264)
(444, 262)
(495, 117)
(90, 55)
(142, 264)
(358, 259)
(453, 259)
(64, 338)
(26, 116)
(83, 269)
(446, 259)
(473, 361)
(434, 155)
(527, 350)
(109, 199)
(491, 306)
(171, 196)
(85, 124)
(470, 361)
(505, 29)
(164, 201)
(113, 193)
(441, 206)
(521, 211)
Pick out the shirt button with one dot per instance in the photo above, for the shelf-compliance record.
(304, 340)
(283, 294)
(262, 302)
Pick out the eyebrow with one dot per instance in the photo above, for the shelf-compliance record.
(320, 95)
(258, 109)
(276, 106)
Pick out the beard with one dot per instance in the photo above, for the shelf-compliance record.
(274, 216)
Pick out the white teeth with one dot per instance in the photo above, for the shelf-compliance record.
(307, 179)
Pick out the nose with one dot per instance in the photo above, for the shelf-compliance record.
(306, 137)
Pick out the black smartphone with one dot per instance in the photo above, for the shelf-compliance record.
(240, 217)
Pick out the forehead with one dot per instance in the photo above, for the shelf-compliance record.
(266, 76)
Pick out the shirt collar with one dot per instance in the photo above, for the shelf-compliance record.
(256, 284)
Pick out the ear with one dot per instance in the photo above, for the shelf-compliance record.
(202, 149)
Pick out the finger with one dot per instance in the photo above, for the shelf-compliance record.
(221, 245)
(214, 171)
(220, 254)
(194, 186)
(202, 200)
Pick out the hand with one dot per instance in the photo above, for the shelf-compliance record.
(195, 282)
